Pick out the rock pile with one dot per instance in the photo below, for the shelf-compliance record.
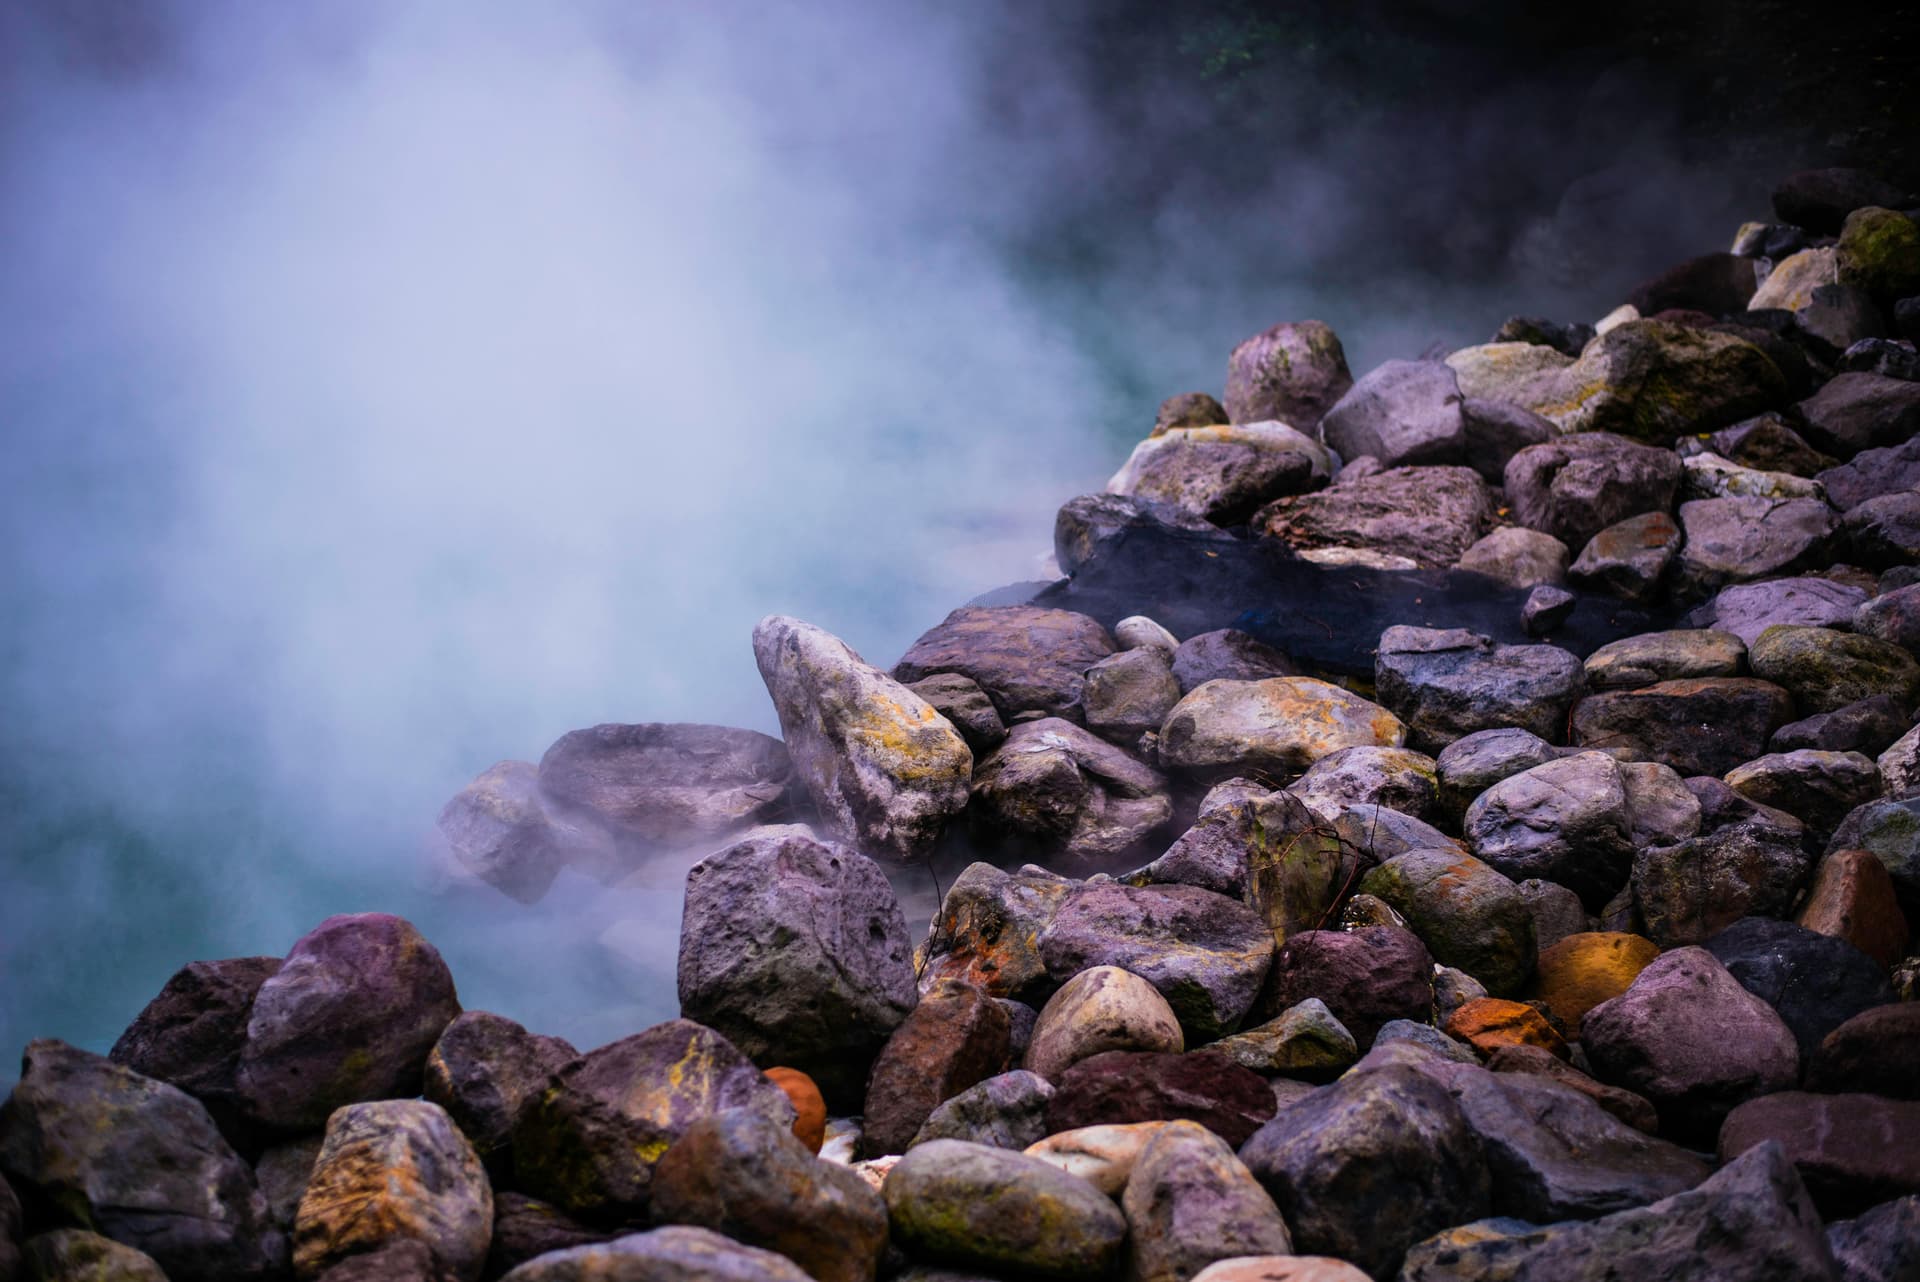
(1504, 961)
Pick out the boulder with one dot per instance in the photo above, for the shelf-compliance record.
(1377, 834)
(1026, 658)
(525, 1228)
(1736, 539)
(1856, 412)
(1629, 558)
(1475, 762)
(1575, 487)
(390, 1172)
(1881, 1245)
(1205, 953)
(1748, 609)
(1557, 911)
(742, 1174)
(956, 1036)
(351, 1015)
(1446, 683)
(1662, 808)
(1227, 655)
(1468, 913)
(1868, 727)
(1116, 1087)
(1293, 372)
(1817, 787)
(1426, 515)
(809, 1106)
(1690, 891)
(1876, 1052)
(75, 1255)
(1546, 609)
(1879, 252)
(1093, 523)
(1366, 1167)
(966, 707)
(1190, 1202)
(1567, 821)
(1130, 693)
(1265, 848)
(1539, 1062)
(1057, 789)
(282, 1172)
(1691, 1040)
(1708, 476)
(674, 1254)
(1362, 776)
(504, 830)
(1496, 431)
(1824, 669)
(1883, 532)
(1103, 1008)
(1853, 1151)
(1002, 1212)
(1281, 1268)
(1889, 830)
(138, 1161)
(191, 1034)
(1581, 971)
(1511, 372)
(1188, 409)
(1654, 382)
(1366, 978)
(1490, 1023)
(1852, 898)
(1892, 616)
(1814, 982)
(1872, 473)
(1517, 558)
(1820, 199)
(1697, 725)
(1401, 413)
(1717, 284)
(1767, 442)
(1794, 281)
(1283, 724)
(1304, 1041)
(1222, 473)
(660, 786)
(988, 928)
(1007, 1111)
(485, 1070)
(1101, 1155)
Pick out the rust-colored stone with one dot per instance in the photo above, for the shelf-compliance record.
(1488, 1023)
(1581, 971)
(955, 1037)
(810, 1110)
(1852, 899)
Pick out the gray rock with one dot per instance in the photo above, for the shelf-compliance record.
(1190, 1202)
(1517, 557)
(1690, 891)
(1872, 473)
(1305, 1040)
(1769, 443)
(1188, 409)
(1882, 1245)
(75, 1255)
(1427, 1038)
(1699, 726)
(1814, 982)
(796, 952)
(1469, 914)
(1557, 911)
(1819, 788)
(1662, 808)
(1892, 616)
(1853, 1151)
(282, 1173)
(1629, 559)
(1868, 727)
(1473, 763)
(1223, 473)
(1577, 486)
(1027, 659)
(190, 1035)
(1425, 515)
(1227, 655)
(1396, 777)
(1137, 631)
(485, 1070)
(1897, 770)
(1007, 1111)
(1281, 724)
(1068, 794)
(1566, 821)
(966, 706)
(1087, 525)
(503, 830)
(1652, 657)
(1378, 834)
(1496, 431)
(1855, 412)
(1448, 683)
(1402, 413)
(1708, 476)
(1293, 372)
(1130, 693)
(1545, 609)
(1748, 609)
(674, 1254)
(1884, 531)
(1733, 540)
(1453, 989)
(1825, 669)
(1889, 830)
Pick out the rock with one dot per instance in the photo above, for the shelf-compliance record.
(1875, 1052)
(1222, 473)
(282, 1173)
(1191, 1202)
(589, 1144)
(1581, 971)
(661, 786)
(1690, 891)
(525, 1229)
(1421, 1039)
(1733, 540)
(1629, 558)
(966, 707)
(955, 1037)
(1205, 953)
(1469, 914)
(1653, 382)
(1748, 609)
(1138, 632)
(1378, 834)
(1130, 693)
(988, 927)
(350, 1015)
(1116, 1087)
(1872, 474)
(1557, 911)
(484, 1071)
(1879, 252)
(1768, 443)
(502, 829)
(1281, 1268)
(1518, 558)
(1304, 1041)
(743, 1175)
(1366, 978)
(1856, 412)
(1546, 609)
(1883, 531)
(1819, 787)
(1363, 776)
(1283, 724)
(1227, 655)
(1402, 413)
(1188, 409)
(1364, 1168)
(1539, 1062)
(1868, 727)
(1698, 726)
(1488, 1023)
(1719, 284)
(1060, 790)
(1853, 898)
(1820, 199)
(1566, 821)
(675, 1254)
(796, 952)
(809, 1106)
(1831, 319)
(1691, 1040)
(1790, 286)
(1853, 1151)
(75, 1255)
(1825, 669)
(1092, 523)
(1448, 683)
(1893, 617)
(1002, 1212)
(1708, 476)
(1475, 762)
(1496, 431)
(1293, 372)
(393, 1171)
(1508, 371)
(10, 1232)
(1814, 982)
(1882, 1245)
(1659, 804)
(1026, 658)
(1102, 1155)
(1889, 830)
(1007, 1111)
(135, 1160)
(1428, 515)
(1101, 1009)
(1653, 657)
(191, 1034)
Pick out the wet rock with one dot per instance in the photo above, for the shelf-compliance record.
(1293, 372)
(1066, 793)
(1537, 1061)
(1282, 724)
(1427, 515)
(663, 785)
(1007, 1111)
(1881, 1245)
(1629, 559)
(1820, 199)
(394, 1171)
(503, 829)
(1100, 1009)
(1826, 669)
(1191, 1202)
(1101, 1155)
(1581, 971)
(1748, 609)
(1893, 357)
(191, 1034)
(1818, 787)
(1364, 1168)
(1698, 726)
(1489, 1023)
(1304, 1041)
(1879, 252)
(1469, 914)
(1448, 683)
(743, 1175)
(1205, 953)
(1875, 1052)
(1692, 1041)
(1566, 821)
(1092, 523)
(1868, 727)
(809, 1106)
(1852, 898)
(1518, 558)
(1394, 777)
(1188, 409)
(1653, 657)
(484, 1071)
(525, 1229)
(350, 1015)
(956, 1036)
(75, 1255)
(1692, 890)
(1853, 1151)
(135, 1160)
(988, 927)
(1473, 763)
(1223, 473)
(1575, 487)
(1026, 658)
(1227, 655)
(1732, 540)
(966, 707)
(1116, 1087)
(674, 1253)
(1883, 531)
(1366, 978)
(797, 954)
(1889, 830)
(1002, 1212)
(1130, 693)
(1814, 982)
(590, 1143)
(1855, 412)
(1401, 413)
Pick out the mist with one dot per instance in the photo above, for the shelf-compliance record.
(389, 389)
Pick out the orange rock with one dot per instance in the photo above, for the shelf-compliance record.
(1488, 1023)
(1852, 899)
(810, 1122)
(1581, 971)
